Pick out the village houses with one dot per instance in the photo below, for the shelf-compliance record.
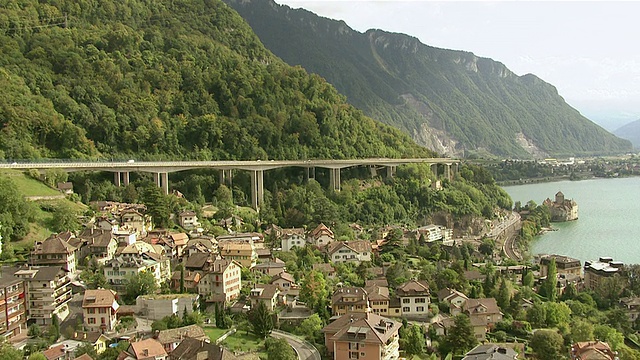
(99, 308)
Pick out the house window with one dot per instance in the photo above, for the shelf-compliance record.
(91, 311)
(405, 309)
(102, 321)
(91, 320)
(102, 310)
(406, 301)
(421, 300)
(353, 355)
(353, 346)
(420, 308)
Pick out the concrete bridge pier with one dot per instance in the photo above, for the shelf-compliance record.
(391, 170)
(226, 177)
(447, 171)
(310, 173)
(434, 169)
(162, 180)
(373, 170)
(121, 178)
(257, 189)
(334, 179)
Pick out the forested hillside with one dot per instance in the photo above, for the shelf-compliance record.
(173, 80)
(450, 101)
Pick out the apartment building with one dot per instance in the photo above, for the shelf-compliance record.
(48, 293)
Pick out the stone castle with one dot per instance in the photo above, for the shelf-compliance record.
(562, 209)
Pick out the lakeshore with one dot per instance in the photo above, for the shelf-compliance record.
(609, 214)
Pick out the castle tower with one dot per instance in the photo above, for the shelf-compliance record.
(559, 198)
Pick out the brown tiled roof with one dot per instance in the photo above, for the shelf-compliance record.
(177, 334)
(322, 228)
(270, 265)
(84, 356)
(53, 245)
(147, 348)
(473, 275)
(188, 213)
(197, 260)
(192, 349)
(447, 292)
(472, 306)
(56, 352)
(98, 298)
(377, 293)
(263, 252)
(324, 268)
(88, 336)
(48, 272)
(413, 288)
(292, 231)
(373, 328)
(592, 350)
(221, 265)
(188, 275)
(342, 321)
(284, 276)
(268, 292)
(359, 246)
(377, 282)
(179, 239)
(351, 292)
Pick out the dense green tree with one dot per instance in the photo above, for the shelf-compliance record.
(310, 327)
(37, 356)
(8, 352)
(64, 219)
(504, 295)
(460, 337)
(548, 288)
(547, 344)
(261, 320)
(414, 343)
(313, 289)
(279, 349)
(581, 330)
(34, 331)
(142, 283)
(528, 279)
(157, 205)
(605, 333)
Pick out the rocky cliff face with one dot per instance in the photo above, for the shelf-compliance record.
(453, 102)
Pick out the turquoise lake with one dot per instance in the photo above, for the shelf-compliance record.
(608, 223)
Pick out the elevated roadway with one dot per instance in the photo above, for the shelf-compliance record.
(161, 169)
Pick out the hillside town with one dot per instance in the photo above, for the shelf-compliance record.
(121, 281)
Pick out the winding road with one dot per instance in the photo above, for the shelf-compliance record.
(304, 350)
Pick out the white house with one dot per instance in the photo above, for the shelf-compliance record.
(414, 298)
(292, 238)
(350, 251)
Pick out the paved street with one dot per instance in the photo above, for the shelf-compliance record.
(305, 351)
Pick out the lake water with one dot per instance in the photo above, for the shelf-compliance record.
(608, 223)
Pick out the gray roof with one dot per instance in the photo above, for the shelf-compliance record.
(48, 273)
(491, 352)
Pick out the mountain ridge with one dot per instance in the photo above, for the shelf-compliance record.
(449, 100)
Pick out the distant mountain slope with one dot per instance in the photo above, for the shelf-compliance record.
(631, 132)
(161, 79)
(451, 101)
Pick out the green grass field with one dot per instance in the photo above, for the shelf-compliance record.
(240, 341)
(214, 333)
(28, 186)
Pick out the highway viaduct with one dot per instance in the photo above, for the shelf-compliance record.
(161, 169)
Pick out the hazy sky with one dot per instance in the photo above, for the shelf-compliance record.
(589, 50)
